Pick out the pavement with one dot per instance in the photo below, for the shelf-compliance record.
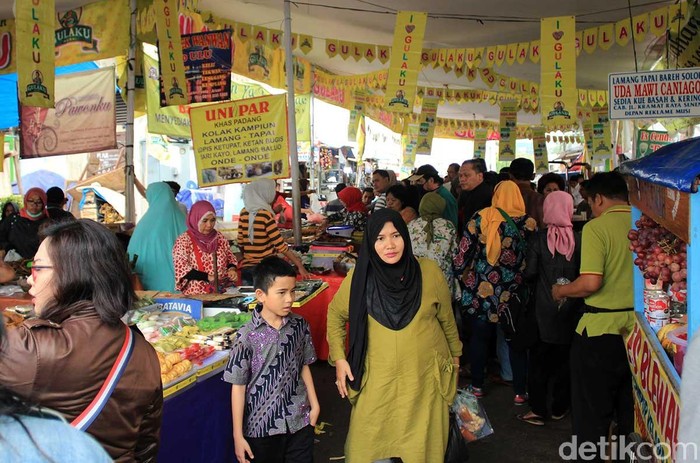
(512, 441)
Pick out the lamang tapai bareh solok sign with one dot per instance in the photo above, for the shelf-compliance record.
(239, 141)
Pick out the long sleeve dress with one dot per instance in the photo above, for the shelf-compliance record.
(192, 266)
(409, 381)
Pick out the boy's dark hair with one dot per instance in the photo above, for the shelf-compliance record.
(522, 169)
(340, 187)
(368, 190)
(574, 177)
(55, 196)
(550, 178)
(174, 186)
(611, 185)
(382, 172)
(269, 269)
(90, 265)
(478, 165)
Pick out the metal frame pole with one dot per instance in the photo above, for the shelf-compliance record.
(130, 103)
(291, 122)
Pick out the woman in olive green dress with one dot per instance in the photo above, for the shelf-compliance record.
(400, 372)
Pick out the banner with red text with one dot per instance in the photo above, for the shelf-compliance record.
(405, 61)
(83, 121)
(36, 60)
(172, 67)
(207, 58)
(558, 92)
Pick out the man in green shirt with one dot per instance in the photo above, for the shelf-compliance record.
(601, 383)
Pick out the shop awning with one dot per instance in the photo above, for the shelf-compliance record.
(674, 166)
(9, 116)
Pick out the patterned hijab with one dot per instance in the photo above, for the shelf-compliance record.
(206, 243)
(431, 207)
(507, 198)
(258, 196)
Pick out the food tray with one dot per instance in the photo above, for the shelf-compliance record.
(180, 384)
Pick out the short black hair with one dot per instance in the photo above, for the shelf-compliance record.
(454, 165)
(382, 172)
(611, 185)
(575, 177)
(340, 187)
(548, 178)
(90, 266)
(269, 269)
(369, 189)
(55, 195)
(174, 186)
(504, 170)
(522, 169)
(478, 165)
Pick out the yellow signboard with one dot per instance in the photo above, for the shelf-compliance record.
(35, 57)
(239, 141)
(508, 130)
(405, 61)
(558, 93)
(539, 145)
(170, 53)
(426, 128)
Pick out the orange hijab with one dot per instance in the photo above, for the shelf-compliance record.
(506, 197)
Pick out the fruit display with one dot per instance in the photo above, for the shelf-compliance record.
(172, 366)
(155, 324)
(224, 319)
(660, 255)
(197, 353)
(219, 339)
(669, 346)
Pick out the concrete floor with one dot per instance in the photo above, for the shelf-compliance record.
(512, 441)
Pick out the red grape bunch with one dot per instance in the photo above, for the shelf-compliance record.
(660, 254)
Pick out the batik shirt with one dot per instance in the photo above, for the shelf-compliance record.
(269, 363)
(443, 248)
(488, 288)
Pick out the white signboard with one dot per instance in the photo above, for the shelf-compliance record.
(654, 94)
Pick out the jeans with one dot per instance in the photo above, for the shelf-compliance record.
(518, 364)
(503, 353)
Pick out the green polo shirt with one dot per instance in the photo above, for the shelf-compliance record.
(605, 251)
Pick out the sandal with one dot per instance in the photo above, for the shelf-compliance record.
(531, 418)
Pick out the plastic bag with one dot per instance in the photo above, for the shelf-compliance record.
(471, 416)
(457, 450)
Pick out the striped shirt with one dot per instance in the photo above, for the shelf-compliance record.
(267, 240)
(380, 203)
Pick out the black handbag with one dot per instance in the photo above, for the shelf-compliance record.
(457, 450)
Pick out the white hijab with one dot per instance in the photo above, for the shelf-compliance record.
(258, 195)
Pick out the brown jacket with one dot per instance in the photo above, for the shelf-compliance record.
(63, 366)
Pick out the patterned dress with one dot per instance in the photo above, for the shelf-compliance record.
(443, 248)
(187, 257)
(487, 290)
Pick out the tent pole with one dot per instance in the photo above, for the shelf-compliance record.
(130, 102)
(291, 122)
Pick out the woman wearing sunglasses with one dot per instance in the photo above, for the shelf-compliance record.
(21, 231)
(67, 358)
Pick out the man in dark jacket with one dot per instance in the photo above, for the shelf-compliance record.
(55, 201)
(522, 172)
(475, 193)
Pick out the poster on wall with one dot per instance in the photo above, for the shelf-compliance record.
(207, 59)
(83, 121)
(239, 141)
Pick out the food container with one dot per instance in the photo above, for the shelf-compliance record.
(679, 337)
(657, 308)
(341, 230)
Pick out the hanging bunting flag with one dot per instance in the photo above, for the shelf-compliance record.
(558, 94)
(243, 31)
(295, 41)
(501, 51)
(579, 42)
(36, 59)
(507, 130)
(489, 57)
(601, 98)
(260, 35)
(356, 52)
(480, 136)
(658, 21)
(459, 72)
(451, 57)
(426, 128)
(590, 39)
(405, 64)
(306, 43)
(539, 146)
(488, 77)
(606, 36)
(369, 52)
(274, 39)
(640, 25)
(331, 48)
(582, 97)
(522, 52)
(511, 53)
(592, 98)
(383, 53)
(459, 58)
(535, 51)
(623, 32)
(344, 49)
(172, 67)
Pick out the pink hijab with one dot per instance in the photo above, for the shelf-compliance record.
(558, 210)
(206, 243)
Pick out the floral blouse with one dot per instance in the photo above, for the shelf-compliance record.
(191, 273)
(345, 217)
(488, 288)
(443, 248)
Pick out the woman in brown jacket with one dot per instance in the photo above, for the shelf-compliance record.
(61, 359)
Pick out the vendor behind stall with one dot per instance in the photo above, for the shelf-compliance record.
(202, 256)
(154, 237)
(21, 231)
(354, 211)
(258, 234)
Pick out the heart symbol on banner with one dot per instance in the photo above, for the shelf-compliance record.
(558, 35)
(410, 28)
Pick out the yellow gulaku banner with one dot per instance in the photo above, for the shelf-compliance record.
(84, 120)
(539, 146)
(409, 140)
(35, 59)
(167, 120)
(558, 92)
(684, 40)
(602, 139)
(302, 115)
(405, 61)
(356, 114)
(426, 128)
(480, 136)
(239, 141)
(172, 67)
(508, 130)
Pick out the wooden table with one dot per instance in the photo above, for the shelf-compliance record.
(15, 299)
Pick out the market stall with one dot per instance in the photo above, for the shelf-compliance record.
(663, 189)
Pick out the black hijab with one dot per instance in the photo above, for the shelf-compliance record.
(391, 294)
